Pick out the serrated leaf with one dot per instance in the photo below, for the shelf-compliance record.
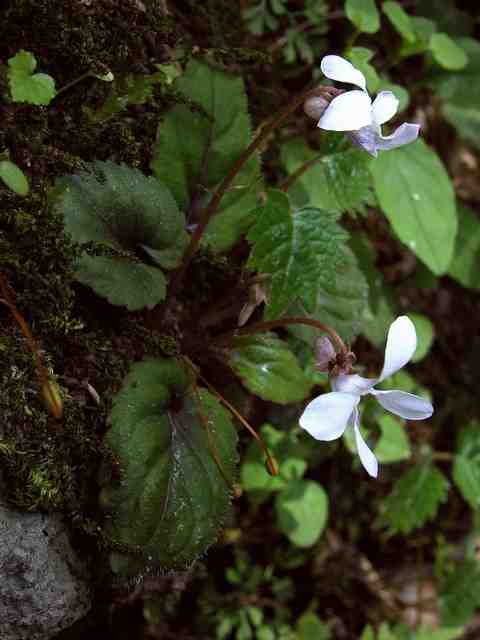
(447, 53)
(417, 197)
(400, 20)
(466, 465)
(25, 86)
(460, 594)
(172, 498)
(341, 302)
(364, 15)
(284, 447)
(425, 335)
(14, 177)
(415, 498)
(197, 144)
(296, 250)
(465, 265)
(393, 444)
(340, 181)
(121, 209)
(268, 368)
(302, 512)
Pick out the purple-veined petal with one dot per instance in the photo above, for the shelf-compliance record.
(341, 70)
(384, 107)
(352, 383)
(366, 138)
(366, 456)
(326, 417)
(403, 404)
(347, 112)
(401, 345)
(404, 134)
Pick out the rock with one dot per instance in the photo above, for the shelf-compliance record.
(43, 586)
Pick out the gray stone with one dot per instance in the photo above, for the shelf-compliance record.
(43, 584)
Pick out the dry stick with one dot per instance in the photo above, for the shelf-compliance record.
(226, 183)
(259, 327)
(53, 402)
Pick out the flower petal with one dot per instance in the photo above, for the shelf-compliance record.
(366, 456)
(341, 70)
(352, 384)
(384, 107)
(401, 345)
(403, 404)
(404, 134)
(347, 112)
(366, 138)
(326, 417)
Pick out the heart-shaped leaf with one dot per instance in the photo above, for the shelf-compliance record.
(25, 86)
(302, 511)
(177, 455)
(268, 368)
(136, 219)
(207, 137)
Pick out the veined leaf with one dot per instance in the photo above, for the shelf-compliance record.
(415, 498)
(268, 368)
(460, 593)
(296, 250)
(466, 465)
(393, 445)
(340, 180)
(198, 143)
(172, 498)
(417, 196)
(130, 214)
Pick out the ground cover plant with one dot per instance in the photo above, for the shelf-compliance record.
(240, 311)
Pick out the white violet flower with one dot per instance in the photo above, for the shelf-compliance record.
(327, 417)
(354, 111)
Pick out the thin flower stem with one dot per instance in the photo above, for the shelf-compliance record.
(285, 186)
(226, 183)
(260, 327)
(71, 84)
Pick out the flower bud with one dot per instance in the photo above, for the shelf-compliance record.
(314, 106)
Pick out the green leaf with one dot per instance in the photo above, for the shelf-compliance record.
(460, 594)
(415, 498)
(417, 196)
(427, 633)
(14, 177)
(465, 266)
(447, 53)
(285, 448)
(424, 29)
(297, 250)
(25, 86)
(466, 465)
(341, 302)
(268, 368)
(302, 512)
(310, 627)
(364, 15)
(130, 215)
(198, 143)
(340, 181)
(393, 445)
(400, 20)
(425, 335)
(172, 497)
